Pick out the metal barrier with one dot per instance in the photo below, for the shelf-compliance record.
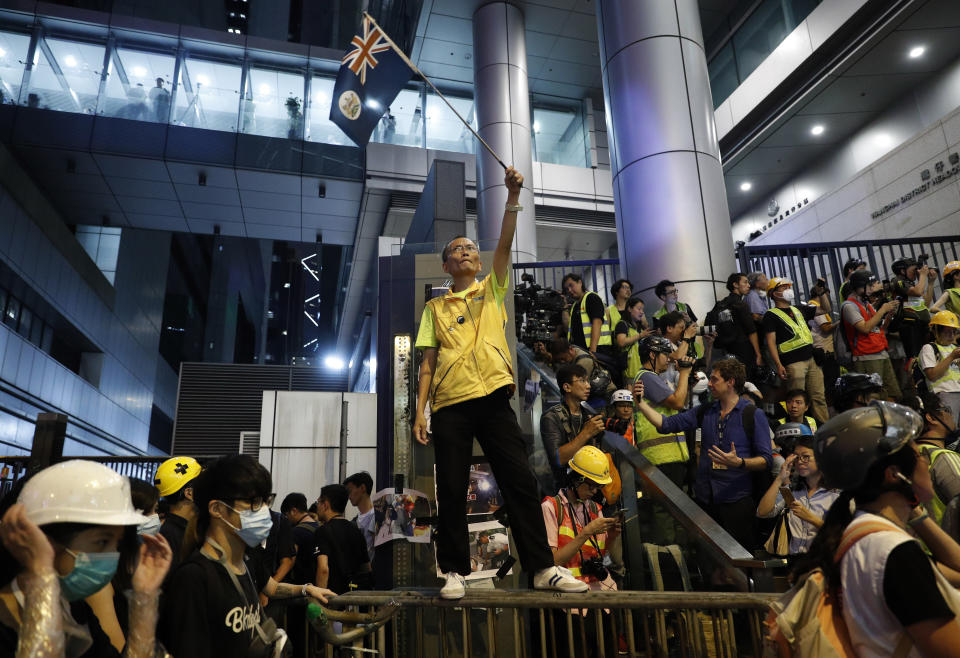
(525, 623)
(11, 470)
(804, 263)
(598, 275)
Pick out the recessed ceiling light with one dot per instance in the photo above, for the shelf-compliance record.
(139, 72)
(536, 126)
(817, 130)
(203, 80)
(70, 60)
(373, 104)
(3, 53)
(917, 51)
(264, 89)
(746, 186)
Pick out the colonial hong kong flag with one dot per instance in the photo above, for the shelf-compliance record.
(371, 75)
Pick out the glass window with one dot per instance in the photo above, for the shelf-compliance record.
(273, 104)
(208, 95)
(12, 314)
(102, 244)
(558, 137)
(319, 126)
(138, 86)
(759, 35)
(13, 57)
(66, 76)
(723, 74)
(445, 131)
(47, 343)
(36, 333)
(26, 322)
(403, 121)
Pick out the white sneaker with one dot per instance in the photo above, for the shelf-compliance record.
(454, 587)
(558, 579)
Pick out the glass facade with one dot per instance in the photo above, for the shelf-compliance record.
(138, 85)
(102, 244)
(403, 121)
(559, 136)
(13, 53)
(208, 96)
(445, 132)
(273, 104)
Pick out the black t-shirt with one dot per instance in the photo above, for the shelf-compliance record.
(346, 550)
(174, 529)
(743, 325)
(910, 586)
(773, 323)
(204, 615)
(82, 614)
(305, 568)
(595, 310)
(280, 545)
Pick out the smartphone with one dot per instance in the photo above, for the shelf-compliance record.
(787, 495)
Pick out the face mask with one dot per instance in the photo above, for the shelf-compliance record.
(787, 295)
(672, 301)
(254, 526)
(761, 293)
(91, 573)
(151, 526)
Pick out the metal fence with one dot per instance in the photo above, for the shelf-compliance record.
(530, 623)
(598, 275)
(805, 263)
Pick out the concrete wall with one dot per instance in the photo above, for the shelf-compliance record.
(877, 166)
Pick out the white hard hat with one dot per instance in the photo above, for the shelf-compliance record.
(79, 491)
(701, 384)
(750, 387)
(623, 395)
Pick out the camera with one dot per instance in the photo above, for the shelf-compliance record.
(922, 260)
(538, 311)
(594, 567)
(707, 330)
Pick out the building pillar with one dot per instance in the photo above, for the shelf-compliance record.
(503, 119)
(672, 216)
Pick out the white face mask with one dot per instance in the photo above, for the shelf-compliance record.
(787, 295)
(761, 293)
(151, 526)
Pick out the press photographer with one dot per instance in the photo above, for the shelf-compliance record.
(538, 311)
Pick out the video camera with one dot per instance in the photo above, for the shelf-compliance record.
(922, 260)
(539, 311)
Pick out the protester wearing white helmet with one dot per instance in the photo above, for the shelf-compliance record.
(66, 534)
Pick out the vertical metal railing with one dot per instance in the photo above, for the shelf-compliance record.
(598, 275)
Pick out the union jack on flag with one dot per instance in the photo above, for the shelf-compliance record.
(362, 56)
(371, 75)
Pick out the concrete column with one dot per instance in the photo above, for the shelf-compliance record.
(672, 216)
(503, 117)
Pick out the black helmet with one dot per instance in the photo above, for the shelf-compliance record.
(900, 265)
(657, 344)
(852, 265)
(861, 279)
(847, 445)
(851, 384)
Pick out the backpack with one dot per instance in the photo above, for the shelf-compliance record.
(920, 380)
(748, 415)
(721, 317)
(807, 621)
(842, 349)
(600, 379)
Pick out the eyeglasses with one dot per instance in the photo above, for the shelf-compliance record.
(254, 503)
(804, 459)
(463, 249)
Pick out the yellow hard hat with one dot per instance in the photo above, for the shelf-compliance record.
(778, 281)
(173, 474)
(592, 464)
(951, 267)
(945, 319)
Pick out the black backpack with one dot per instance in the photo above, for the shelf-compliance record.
(721, 317)
(919, 376)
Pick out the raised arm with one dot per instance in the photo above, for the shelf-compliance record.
(501, 257)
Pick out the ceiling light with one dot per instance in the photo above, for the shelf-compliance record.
(817, 130)
(70, 60)
(333, 363)
(203, 80)
(265, 89)
(884, 140)
(139, 72)
(536, 126)
(746, 186)
(917, 51)
(373, 104)
(322, 99)
(286, 285)
(2, 52)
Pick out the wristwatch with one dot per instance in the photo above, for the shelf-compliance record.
(743, 463)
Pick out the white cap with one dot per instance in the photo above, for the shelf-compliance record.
(623, 395)
(79, 491)
(749, 387)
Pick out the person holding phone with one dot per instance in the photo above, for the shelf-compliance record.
(798, 491)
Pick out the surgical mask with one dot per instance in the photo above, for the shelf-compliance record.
(254, 526)
(151, 526)
(671, 300)
(91, 573)
(761, 293)
(787, 295)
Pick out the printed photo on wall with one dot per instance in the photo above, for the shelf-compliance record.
(489, 549)
(483, 494)
(395, 516)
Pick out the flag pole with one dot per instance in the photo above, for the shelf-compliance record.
(436, 91)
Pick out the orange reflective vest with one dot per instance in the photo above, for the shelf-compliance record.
(567, 530)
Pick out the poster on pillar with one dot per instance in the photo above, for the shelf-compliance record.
(371, 75)
(396, 516)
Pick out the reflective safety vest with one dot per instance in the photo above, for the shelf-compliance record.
(567, 530)
(614, 316)
(807, 420)
(587, 324)
(936, 507)
(864, 344)
(953, 301)
(663, 310)
(801, 332)
(658, 448)
(634, 364)
(953, 372)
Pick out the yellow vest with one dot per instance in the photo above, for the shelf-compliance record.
(801, 332)
(658, 448)
(473, 359)
(587, 324)
(634, 365)
(953, 301)
(935, 506)
(613, 316)
(953, 372)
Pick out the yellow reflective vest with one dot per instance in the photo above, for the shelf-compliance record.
(953, 372)
(658, 448)
(606, 329)
(796, 323)
(473, 359)
(634, 364)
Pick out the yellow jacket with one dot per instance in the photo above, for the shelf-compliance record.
(473, 359)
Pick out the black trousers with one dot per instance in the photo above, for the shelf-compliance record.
(491, 420)
(739, 518)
